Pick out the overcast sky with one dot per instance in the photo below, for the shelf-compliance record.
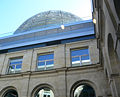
(14, 12)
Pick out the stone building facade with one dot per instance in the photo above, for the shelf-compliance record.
(107, 14)
(79, 60)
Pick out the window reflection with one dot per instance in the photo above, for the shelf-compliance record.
(45, 92)
(11, 93)
(15, 65)
(80, 57)
(84, 91)
(45, 62)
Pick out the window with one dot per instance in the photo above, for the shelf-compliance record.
(11, 93)
(15, 65)
(45, 92)
(84, 91)
(45, 62)
(80, 57)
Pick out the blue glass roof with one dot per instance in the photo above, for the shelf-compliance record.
(77, 29)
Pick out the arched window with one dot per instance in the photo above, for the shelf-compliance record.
(10, 93)
(44, 92)
(84, 91)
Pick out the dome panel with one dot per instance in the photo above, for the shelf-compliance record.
(47, 19)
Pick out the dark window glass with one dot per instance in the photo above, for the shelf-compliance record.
(84, 91)
(117, 7)
(11, 93)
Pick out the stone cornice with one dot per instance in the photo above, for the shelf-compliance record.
(92, 67)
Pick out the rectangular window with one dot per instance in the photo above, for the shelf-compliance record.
(80, 57)
(15, 65)
(45, 62)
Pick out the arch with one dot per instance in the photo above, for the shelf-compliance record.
(9, 91)
(117, 7)
(112, 55)
(84, 84)
(40, 87)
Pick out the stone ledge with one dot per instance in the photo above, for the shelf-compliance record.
(114, 75)
(53, 71)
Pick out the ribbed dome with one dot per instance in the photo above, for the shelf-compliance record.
(47, 19)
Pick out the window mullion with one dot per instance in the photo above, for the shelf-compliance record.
(45, 64)
(80, 60)
(15, 68)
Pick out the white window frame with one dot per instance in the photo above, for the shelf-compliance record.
(15, 70)
(80, 62)
(45, 66)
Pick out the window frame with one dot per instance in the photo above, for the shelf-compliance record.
(80, 57)
(10, 91)
(15, 69)
(44, 67)
(44, 93)
(82, 86)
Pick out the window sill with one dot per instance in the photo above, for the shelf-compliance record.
(89, 66)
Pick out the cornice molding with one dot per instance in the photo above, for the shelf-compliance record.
(97, 67)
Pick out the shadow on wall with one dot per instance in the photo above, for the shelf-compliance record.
(117, 7)
(112, 55)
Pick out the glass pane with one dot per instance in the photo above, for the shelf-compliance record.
(48, 95)
(15, 62)
(45, 92)
(15, 65)
(41, 66)
(12, 69)
(12, 66)
(42, 57)
(79, 52)
(85, 57)
(18, 66)
(84, 91)
(41, 63)
(45, 57)
(76, 61)
(51, 62)
(85, 60)
(11, 93)
(49, 65)
(50, 56)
